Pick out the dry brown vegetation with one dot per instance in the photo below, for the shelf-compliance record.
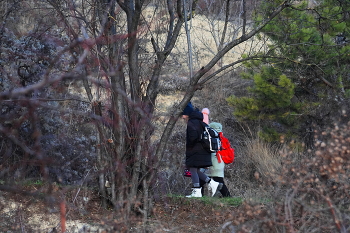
(275, 187)
(282, 189)
(308, 193)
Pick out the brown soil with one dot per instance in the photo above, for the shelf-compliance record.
(26, 213)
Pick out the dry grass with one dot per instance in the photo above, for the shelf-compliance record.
(264, 156)
(309, 193)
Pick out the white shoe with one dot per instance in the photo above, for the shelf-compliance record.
(196, 192)
(214, 187)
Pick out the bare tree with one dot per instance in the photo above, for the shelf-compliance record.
(119, 50)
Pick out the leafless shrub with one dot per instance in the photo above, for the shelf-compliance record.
(170, 179)
(48, 132)
(170, 84)
(307, 195)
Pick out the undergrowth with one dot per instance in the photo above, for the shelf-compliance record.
(309, 192)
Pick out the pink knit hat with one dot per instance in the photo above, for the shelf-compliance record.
(205, 112)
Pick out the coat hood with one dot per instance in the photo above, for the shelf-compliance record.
(196, 114)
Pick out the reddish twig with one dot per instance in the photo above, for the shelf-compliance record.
(63, 216)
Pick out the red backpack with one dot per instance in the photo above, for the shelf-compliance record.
(226, 153)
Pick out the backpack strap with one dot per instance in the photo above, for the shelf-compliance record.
(218, 155)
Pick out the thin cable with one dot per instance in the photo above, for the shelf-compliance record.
(188, 41)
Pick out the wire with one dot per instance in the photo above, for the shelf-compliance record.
(188, 39)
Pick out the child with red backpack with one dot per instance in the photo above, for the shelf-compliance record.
(216, 172)
(220, 158)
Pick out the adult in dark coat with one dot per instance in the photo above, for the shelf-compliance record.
(196, 156)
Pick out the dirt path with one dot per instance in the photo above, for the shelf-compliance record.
(25, 214)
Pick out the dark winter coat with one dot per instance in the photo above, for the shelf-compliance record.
(196, 155)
